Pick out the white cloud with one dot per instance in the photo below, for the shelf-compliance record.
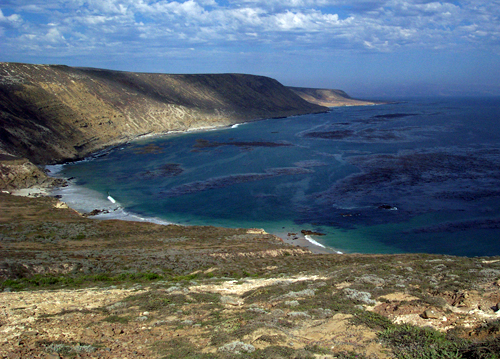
(12, 20)
(307, 22)
(53, 36)
(373, 25)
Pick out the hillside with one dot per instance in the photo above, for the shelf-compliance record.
(51, 113)
(329, 98)
(71, 287)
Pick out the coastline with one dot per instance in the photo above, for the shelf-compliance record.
(85, 201)
(299, 240)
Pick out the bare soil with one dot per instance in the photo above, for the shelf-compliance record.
(78, 287)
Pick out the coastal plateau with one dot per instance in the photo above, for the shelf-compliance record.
(329, 98)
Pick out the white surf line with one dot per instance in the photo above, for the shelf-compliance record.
(309, 239)
(236, 125)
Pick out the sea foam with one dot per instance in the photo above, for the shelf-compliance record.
(309, 239)
(85, 200)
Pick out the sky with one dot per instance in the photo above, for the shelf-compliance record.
(369, 48)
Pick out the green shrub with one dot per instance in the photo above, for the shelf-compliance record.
(372, 320)
(409, 342)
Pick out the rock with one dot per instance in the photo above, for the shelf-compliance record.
(311, 233)
(116, 306)
(322, 313)
(88, 332)
(60, 205)
(300, 294)
(431, 314)
(277, 313)
(230, 301)
(371, 279)
(256, 231)
(490, 273)
(108, 332)
(257, 310)
(173, 289)
(236, 347)
(298, 315)
(292, 303)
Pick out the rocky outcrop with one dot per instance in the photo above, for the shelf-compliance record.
(57, 113)
(17, 173)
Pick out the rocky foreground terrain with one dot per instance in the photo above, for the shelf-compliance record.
(77, 287)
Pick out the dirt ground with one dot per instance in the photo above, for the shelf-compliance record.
(76, 287)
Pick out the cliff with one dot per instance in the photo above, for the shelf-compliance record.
(17, 173)
(51, 113)
(329, 98)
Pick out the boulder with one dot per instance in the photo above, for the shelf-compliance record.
(431, 314)
(236, 347)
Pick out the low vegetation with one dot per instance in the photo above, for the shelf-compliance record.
(76, 287)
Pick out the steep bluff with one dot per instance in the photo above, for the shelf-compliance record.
(53, 113)
(329, 98)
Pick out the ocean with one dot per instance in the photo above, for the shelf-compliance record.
(419, 175)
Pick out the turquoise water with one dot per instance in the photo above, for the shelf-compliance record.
(416, 176)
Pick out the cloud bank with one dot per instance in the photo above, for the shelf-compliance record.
(83, 25)
(176, 29)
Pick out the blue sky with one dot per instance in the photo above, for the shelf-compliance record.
(367, 47)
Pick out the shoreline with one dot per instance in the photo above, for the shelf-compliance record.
(113, 211)
(310, 244)
(86, 201)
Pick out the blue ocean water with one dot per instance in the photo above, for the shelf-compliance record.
(420, 175)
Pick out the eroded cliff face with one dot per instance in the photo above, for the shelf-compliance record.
(57, 113)
(18, 173)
